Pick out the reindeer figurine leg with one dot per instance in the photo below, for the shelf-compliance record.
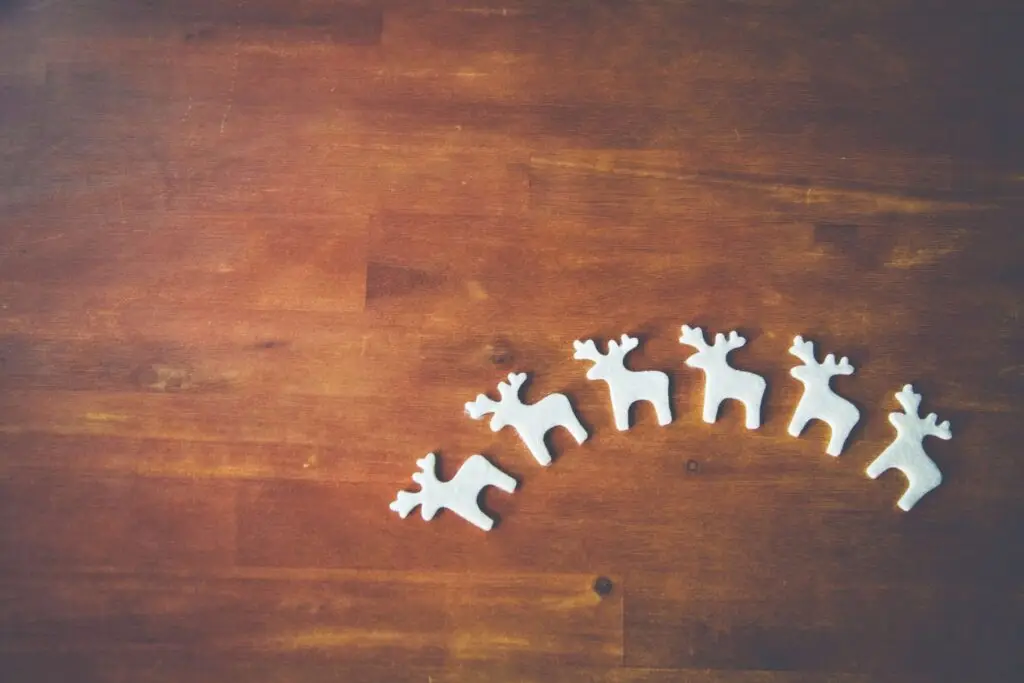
(711, 404)
(840, 432)
(561, 414)
(469, 481)
(535, 444)
(576, 428)
(922, 474)
(800, 419)
(753, 405)
(621, 410)
(475, 516)
(883, 463)
(915, 492)
(660, 401)
(663, 410)
(921, 480)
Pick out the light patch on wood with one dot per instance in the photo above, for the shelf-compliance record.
(106, 417)
(869, 201)
(323, 639)
(478, 644)
(168, 377)
(476, 291)
(903, 257)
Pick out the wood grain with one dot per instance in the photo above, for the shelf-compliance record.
(255, 256)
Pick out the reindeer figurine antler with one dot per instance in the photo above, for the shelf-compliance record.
(459, 494)
(531, 420)
(819, 401)
(722, 381)
(626, 386)
(906, 453)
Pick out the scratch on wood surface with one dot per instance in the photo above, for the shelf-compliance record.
(105, 417)
(1011, 370)
(43, 240)
(793, 192)
(488, 11)
(234, 70)
(466, 643)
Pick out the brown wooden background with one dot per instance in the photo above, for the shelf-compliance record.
(255, 255)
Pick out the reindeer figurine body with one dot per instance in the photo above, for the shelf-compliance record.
(818, 401)
(722, 381)
(531, 421)
(626, 386)
(459, 494)
(906, 453)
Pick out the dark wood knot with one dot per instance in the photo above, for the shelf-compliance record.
(501, 353)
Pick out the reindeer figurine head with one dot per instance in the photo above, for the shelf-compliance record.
(429, 504)
(910, 425)
(812, 372)
(509, 393)
(609, 364)
(708, 356)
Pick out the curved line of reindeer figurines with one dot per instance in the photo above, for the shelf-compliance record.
(626, 387)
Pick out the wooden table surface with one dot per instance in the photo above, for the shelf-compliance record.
(256, 255)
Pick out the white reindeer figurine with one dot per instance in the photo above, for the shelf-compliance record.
(906, 453)
(721, 380)
(459, 494)
(819, 402)
(532, 421)
(626, 386)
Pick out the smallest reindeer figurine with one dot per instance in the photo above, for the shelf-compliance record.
(531, 421)
(722, 381)
(906, 453)
(459, 494)
(626, 386)
(819, 402)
